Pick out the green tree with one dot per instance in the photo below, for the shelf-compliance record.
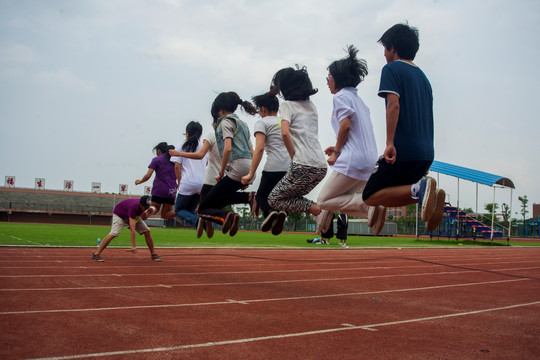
(524, 211)
(505, 212)
(295, 218)
(524, 202)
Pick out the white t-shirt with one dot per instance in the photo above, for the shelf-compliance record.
(359, 154)
(214, 159)
(304, 129)
(277, 157)
(192, 172)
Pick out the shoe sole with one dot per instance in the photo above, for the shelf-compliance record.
(438, 211)
(268, 223)
(227, 223)
(372, 215)
(428, 203)
(234, 225)
(280, 223)
(381, 219)
(209, 227)
(200, 228)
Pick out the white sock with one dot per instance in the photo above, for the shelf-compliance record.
(414, 190)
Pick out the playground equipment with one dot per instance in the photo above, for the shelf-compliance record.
(459, 224)
(478, 177)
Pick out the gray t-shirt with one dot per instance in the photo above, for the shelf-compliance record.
(235, 169)
(277, 157)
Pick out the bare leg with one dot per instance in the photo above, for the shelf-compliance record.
(393, 196)
(149, 242)
(104, 243)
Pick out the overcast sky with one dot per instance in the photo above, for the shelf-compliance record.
(88, 88)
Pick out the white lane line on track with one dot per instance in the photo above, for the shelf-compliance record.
(19, 239)
(257, 282)
(292, 298)
(318, 269)
(346, 327)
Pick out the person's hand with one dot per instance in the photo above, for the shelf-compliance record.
(137, 182)
(246, 179)
(219, 177)
(332, 159)
(390, 154)
(173, 152)
(329, 151)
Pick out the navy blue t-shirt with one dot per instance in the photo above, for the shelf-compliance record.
(414, 133)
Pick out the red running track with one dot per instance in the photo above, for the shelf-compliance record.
(271, 304)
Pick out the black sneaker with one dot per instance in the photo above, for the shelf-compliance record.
(227, 222)
(279, 223)
(155, 257)
(97, 258)
(234, 225)
(268, 223)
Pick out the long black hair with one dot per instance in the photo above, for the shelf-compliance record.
(229, 101)
(194, 132)
(164, 148)
(294, 84)
(349, 71)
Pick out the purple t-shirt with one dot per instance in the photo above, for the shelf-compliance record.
(165, 178)
(128, 208)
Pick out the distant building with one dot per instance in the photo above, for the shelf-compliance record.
(536, 210)
(397, 212)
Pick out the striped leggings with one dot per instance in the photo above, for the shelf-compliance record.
(288, 194)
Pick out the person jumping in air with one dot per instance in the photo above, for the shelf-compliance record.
(191, 174)
(232, 139)
(299, 130)
(399, 175)
(268, 138)
(355, 152)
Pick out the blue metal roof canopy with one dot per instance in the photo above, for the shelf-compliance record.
(471, 174)
(478, 177)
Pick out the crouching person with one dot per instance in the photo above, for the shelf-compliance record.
(132, 211)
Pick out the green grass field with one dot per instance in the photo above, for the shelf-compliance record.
(83, 235)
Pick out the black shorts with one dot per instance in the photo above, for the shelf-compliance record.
(162, 200)
(399, 173)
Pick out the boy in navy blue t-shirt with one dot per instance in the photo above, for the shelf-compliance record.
(398, 178)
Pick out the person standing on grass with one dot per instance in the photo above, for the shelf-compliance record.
(300, 133)
(268, 138)
(165, 183)
(190, 173)
(398, 178)
(355, 151)
(233, 143)
(342, 229)
(134, 212)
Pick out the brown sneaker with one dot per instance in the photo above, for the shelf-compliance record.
(438, 211)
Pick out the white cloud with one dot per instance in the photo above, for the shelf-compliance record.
(65, 79)
(17, 54)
